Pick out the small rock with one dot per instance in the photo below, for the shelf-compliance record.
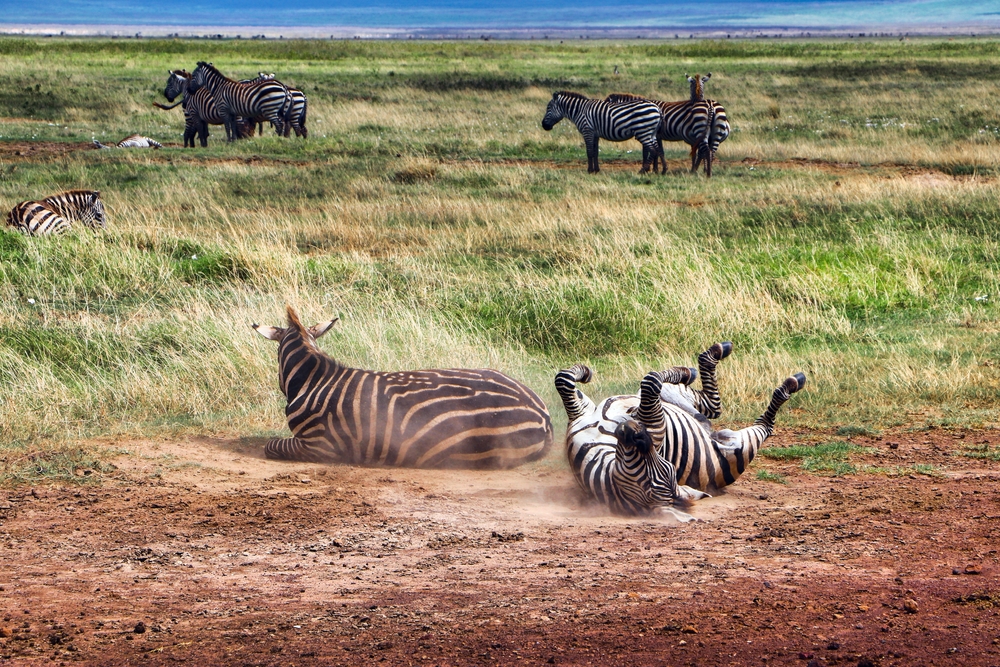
(833, 646)
(689, 630)
(6, 632)
(763, 496)
(682, 643)
(805, 656)
(951, 650)
(862, 607)
(910, 606)
(305, 480)
(956, 570)
(814, 663)
(892, 445)
(972, 569)
(139, 628)
(866, 662)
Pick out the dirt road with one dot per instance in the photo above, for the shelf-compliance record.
(201, 552)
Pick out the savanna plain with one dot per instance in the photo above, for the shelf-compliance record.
(849, 231)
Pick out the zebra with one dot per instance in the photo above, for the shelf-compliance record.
(599, 119)
(611, 445)
(200, 109)
(297, 113)
(700, 123)
(53, 215)
(444, 418)
(132, 141)
(269, 99)
(704, 459)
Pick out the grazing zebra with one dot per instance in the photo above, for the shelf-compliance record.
(133, 141)
(611, 445)
(704, 459)
(599, 119)
(268, 99)
(700, 123)
(296, 115)
(455, 418)
(53, 215)
(200, 109)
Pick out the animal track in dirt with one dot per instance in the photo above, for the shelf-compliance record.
(226, 558)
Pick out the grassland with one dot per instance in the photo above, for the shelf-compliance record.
(850, 230)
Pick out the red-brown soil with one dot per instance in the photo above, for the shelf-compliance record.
(227, 559)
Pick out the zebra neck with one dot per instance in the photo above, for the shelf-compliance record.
(301, 367)
(214, 78)
(575, 109)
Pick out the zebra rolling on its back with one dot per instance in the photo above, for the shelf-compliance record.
(132, 141)
(700, 123)
(53, 215)
(458, 418)
(268, 99)
(703, 458)
(599, 119)
(611, 447)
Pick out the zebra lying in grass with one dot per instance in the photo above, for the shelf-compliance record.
(600, 119)
(701, 459)
(699, 122)
(132, 141)
(55, 214)
(453, 418)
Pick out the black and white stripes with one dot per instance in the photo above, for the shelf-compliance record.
(265, 99)
(449, 418)
(55, 214)
(600, 119)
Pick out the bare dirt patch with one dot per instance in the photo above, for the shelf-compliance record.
(202, 552)
(14, 151)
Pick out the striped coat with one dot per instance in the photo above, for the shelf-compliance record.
(266, 99)
(611, 449)
(600, 119)
(296, 114)
(200, 109)
(700, 123)
(454, 418)
(132, 141)
(55, 214)
(703, 458)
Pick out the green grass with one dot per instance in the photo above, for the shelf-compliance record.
(768, 476)
(831, 458)
(430, 211)
(985, 452)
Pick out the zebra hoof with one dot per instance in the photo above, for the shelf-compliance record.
(794, 383)
(721, 350)
(692, 376)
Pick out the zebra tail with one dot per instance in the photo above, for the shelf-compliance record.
(573, 399)
(166, 107)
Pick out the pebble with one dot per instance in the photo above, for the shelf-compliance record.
(139, 628)
(689, 630)
(6, 632)
(833, 646)
(972, 569)
(805, 656)
(910, 606)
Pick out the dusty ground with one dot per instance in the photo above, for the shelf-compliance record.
(220, 557)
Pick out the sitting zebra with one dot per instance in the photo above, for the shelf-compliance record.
(600, 119)
(700, 123)
(53, 215)
(132, 141)
(296, 115)
(454, 418)
(703, 458)
(200, 109)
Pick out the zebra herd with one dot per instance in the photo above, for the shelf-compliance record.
(211, 98)
(638, 454)
(699, 122)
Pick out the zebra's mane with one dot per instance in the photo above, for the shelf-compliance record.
(632, 97)
(212, 68)
(570, 93)
(295, 323)
(96, 193)
(183, 73)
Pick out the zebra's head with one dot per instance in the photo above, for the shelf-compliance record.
(633, 438)
(277, 334)
(553, 113)
(93, 214)
(198, 77)
(698, 86)
(177, 84)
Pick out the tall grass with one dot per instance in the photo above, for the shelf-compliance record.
(430, 211)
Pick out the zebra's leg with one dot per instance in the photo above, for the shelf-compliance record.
(575, 401)
(742, 445)
(293, 449)
(709, 156)
(708, 401)
(650, 410)
(592, 148)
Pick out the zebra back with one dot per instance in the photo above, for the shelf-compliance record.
(268, 99)
(83, 206)
(441, 418)
(36, 219)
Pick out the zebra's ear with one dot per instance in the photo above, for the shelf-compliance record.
(270, 333)
(318, 330)
(706, 77)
